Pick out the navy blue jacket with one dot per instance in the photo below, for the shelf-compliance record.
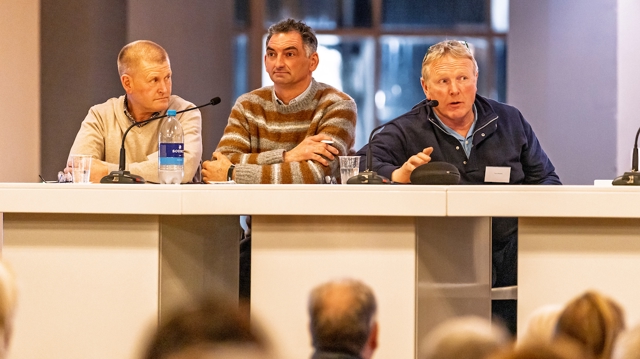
(502, 138)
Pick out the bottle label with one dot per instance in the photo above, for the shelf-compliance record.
(171, 154)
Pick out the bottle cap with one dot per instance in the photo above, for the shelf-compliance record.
(171, 112)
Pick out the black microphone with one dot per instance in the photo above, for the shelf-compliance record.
(369, 176)
(630, 178)
(122, 176)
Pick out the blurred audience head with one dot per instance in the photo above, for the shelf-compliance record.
(628, 345)
(540, 326)
(343, 318)
(594, 321)
(464, 338)
(561, 348)
(8, 303)
(212, 325)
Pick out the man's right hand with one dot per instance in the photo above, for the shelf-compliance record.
(312, 149)
(98, 170)
(403, 174)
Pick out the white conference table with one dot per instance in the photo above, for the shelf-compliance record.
(571, 239)
(101, 264)
(423, 266)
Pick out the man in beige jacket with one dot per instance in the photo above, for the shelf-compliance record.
(145, 74)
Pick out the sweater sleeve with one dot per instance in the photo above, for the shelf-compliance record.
(90, 138)
(337, 120)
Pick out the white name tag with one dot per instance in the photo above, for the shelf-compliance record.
(497, 174)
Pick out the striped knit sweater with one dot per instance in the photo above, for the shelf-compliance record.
(260, 130)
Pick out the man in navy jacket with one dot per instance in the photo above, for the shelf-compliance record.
(489, 142)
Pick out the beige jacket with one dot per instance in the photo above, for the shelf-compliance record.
(101, 133)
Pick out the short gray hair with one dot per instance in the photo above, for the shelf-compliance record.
(309, 39)
(342, 316)
(454, 48)
(142, 50)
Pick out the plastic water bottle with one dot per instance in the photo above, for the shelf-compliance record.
(170, 150)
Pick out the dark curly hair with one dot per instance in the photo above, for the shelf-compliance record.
(308, 36)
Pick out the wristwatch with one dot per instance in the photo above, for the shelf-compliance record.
(230, 173)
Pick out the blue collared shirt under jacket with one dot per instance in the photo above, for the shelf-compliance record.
(502, 138)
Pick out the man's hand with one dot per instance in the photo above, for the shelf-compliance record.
(98, 170)
(216, 169)
(312, 149)
(403, 174)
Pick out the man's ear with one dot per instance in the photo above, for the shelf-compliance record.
(127, 83)
(315, 60)
(423, 84)
(373, 337)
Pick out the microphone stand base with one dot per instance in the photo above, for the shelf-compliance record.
(368, 177)
(124, 177)
(627, 179)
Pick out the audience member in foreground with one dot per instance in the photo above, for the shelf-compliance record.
(561, 348)
(213, 325)
(593, 321)
(465, 338)
(8, 303)
(540, 326)
(343, 320)
(628, 345)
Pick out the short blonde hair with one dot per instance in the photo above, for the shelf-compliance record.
(594, 321)
(454, 48)
(136, 52)
(8, 304)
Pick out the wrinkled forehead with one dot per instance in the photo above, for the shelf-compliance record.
(145, 67)
(283, 40)
(448, 66)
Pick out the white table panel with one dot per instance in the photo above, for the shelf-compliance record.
(544, 201)
(326, 200)
(90, 198)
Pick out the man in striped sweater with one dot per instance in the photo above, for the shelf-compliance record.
(290, 132)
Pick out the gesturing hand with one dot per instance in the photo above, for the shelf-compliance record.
(403, 174)
(312, 149)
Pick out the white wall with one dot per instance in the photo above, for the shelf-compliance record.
(19, 90)
(561, 73)
(628, 80)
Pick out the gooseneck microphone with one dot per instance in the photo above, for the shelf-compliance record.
(122, 176)
(369, 176)
(630, 178)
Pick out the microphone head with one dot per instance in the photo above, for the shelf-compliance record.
(435, 173)
(433, 103)
(214, 101)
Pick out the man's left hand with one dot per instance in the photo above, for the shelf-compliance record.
(216, 169)
(99, 169)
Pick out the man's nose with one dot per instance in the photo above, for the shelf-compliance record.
(455, 88)
(279, 60)
(163, 86)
